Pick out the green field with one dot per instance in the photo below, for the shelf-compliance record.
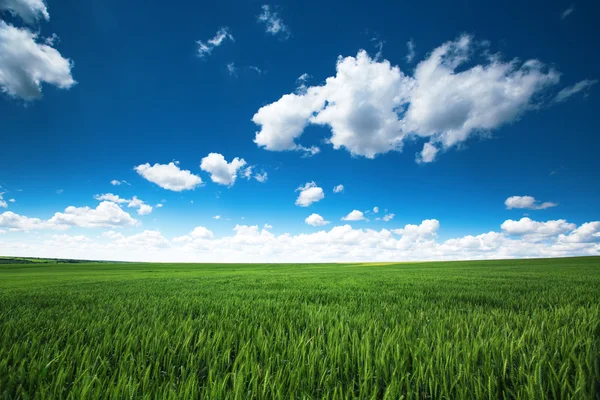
(527, 329)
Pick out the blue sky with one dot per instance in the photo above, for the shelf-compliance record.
(493, 101)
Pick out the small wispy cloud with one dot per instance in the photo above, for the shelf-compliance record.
(411, 51)
(582, 86)
(273, 22)
(231, 68)
(567, 12)
(205, 48)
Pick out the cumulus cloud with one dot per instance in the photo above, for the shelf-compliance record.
(526, 226)
(338, 244)
(3, 203)
(106, 214)
(205, 48)
(527, 202)
(354, 215)
(201, 232)
(588, 232)
(371, 107)
(309, 193)
(581, 86)
(169, 176)
(375, 210)
(30, 11)
(428, 153)
(338, 189)
(316, 220)
(220, 170)
(142, 208)
(273, 22)
(25, 64)
(110, 197)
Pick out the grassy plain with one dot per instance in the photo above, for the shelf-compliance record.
(527, 329)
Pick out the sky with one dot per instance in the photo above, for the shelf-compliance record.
(246, 131)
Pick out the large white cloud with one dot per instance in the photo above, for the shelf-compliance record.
(338, 244)
(106, 214)
(527, 226)
(25, 64)
(527, 202)
(220, 170)
(29, 10)
(169, 176)
(372, 107)
(309, 193)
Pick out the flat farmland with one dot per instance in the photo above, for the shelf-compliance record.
(522, 329)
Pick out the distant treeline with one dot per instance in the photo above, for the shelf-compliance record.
(34, 260)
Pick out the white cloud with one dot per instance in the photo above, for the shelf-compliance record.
(388, 217)
(11, 200)
(526, 226)
(2, 231)
(110, 197)
(354, 215)
(217, 217)
(309, 193)
(527, 202)
(201, 232)
(411, 51)
(232, 69)
(159, 205)
(143, 208)
(3, 203)
(25, 64)
(567, 12)
(581, 86)
(588, 232)
(262, 177)
(338, 188)
(18, 222)
(169, 176)
(30, 11)
(428, 228)
(268, 226)
(316, 220)
(375, 210)
(428, 153)
(371, 107)
(273, 23)
(248, 172)
(106, 214)
(338, 244)
(115, 182)
(220, 170)
(205, 48)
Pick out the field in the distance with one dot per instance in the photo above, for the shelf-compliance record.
(456, 330)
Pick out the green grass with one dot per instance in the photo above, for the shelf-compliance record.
(526, 329)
